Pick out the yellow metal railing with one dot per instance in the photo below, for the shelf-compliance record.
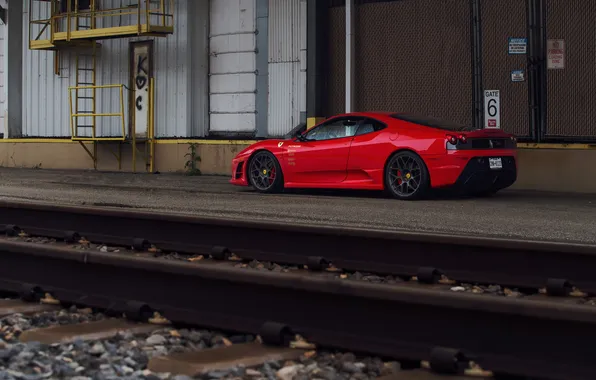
(74, 115)
(132, 138)
(142, 10)
(152, 17)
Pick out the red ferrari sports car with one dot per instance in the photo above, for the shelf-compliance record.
(402, 153)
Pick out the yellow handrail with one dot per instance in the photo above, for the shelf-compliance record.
(152, 17)
(125, 11)
(151, 123)
(96, 87)
(75, 115)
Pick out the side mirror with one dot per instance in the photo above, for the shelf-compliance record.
(296, 131)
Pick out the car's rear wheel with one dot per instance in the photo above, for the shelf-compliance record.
(264, 173)
(406, 176)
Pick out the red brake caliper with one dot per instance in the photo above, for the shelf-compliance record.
(271, 176)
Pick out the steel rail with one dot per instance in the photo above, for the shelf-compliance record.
(541, 337)
(520, 263)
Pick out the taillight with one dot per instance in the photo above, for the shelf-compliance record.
(452, 139)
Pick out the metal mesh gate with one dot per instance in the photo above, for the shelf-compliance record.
(411, 55)
(336, 90)
(417, 56)
(504, 70)
(571, 90)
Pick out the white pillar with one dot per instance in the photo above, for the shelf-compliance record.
(350, 61)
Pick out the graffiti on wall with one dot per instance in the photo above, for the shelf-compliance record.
(141, 73)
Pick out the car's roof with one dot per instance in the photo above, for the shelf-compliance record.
(420, 120)
(367, 113)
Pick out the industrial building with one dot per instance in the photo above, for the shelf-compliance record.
(130, 84)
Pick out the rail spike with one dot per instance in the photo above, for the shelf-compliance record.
(71, 236)
(138, 311)
(445, 360)
(12, 230)
(428, 275)
(317, 263)
(558, 287)
(140, 244)
(31, 293)
(220, 253)
(276, 334)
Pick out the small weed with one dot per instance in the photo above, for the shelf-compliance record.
(193, 160)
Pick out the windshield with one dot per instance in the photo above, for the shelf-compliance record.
(432, 122)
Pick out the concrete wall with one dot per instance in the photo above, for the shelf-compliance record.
(571, 170)
(559, 170)
(215, 158)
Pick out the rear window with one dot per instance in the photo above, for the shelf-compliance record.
(432, 122)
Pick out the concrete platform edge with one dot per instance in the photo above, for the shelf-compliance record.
(539, 169)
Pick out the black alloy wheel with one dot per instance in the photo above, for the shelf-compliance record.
(406, 176)
(264, 172)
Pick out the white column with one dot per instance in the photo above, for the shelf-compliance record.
(350, 61)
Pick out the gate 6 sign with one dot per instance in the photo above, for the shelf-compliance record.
(492, 112)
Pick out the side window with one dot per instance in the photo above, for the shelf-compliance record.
(369, 126)
(335, 129)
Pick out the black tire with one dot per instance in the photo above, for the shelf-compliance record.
(412, 171)
(264, 161)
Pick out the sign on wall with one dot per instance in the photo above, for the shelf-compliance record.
(555, 53)
(517, 45)
(492, 113)
(141, 72)
(518, 76)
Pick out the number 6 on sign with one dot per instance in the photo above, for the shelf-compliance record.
(492, 114)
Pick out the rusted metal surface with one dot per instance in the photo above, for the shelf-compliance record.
(104, 329)
(536, 338)
(9, 307)
(471, 259)
(202, 362)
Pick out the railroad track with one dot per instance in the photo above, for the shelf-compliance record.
(528, 264)
(538, 335)
(45, 340)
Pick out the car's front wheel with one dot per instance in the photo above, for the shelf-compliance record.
(406, 176)
(264, 173)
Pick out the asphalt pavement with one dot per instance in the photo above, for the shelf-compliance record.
(513, 214)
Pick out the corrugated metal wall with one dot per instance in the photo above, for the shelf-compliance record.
(45, 95)
(232, 66)
(287, 65)
(3, 63)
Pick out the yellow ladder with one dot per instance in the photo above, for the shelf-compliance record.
(85, 98)
(86, 65)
